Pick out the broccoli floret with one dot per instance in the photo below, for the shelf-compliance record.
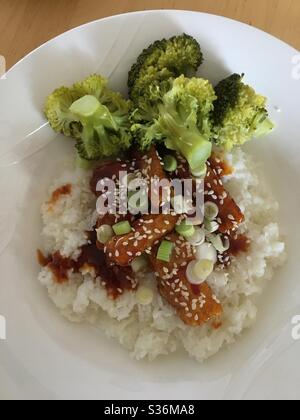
(183, 121)
(163, 60)
(239, 113)
(95, 116)
(58, 114)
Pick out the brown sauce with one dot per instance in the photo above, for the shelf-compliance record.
(42, 260)
(196, 289)
(115, 279)
(238, 244)
(59, 265)
(221, 163)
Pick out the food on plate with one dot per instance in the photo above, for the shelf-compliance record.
(181, 120)
(161, 61)
(239, 113)
(92, 114)
(163, 271)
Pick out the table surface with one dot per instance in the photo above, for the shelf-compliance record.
(26, 24)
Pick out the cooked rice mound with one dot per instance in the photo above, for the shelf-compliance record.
(155, 329)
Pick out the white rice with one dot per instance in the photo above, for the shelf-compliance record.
(153, 330)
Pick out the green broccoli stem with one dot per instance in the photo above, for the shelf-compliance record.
(187, 140)
(91, 112)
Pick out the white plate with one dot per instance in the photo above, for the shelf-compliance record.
(44, 356)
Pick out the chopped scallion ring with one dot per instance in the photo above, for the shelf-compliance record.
(104, 234)
(185, 229)
(165, 251)
(203, 268)
(211, 210)
(122, 228)
(198, 271)
(144, 295)
(220, 244)
(206, 251)
(211, 227)
(170, 163)
(139, 264)
(198, 237)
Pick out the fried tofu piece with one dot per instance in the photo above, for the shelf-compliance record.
(183, 253)
(195, 305)
(110, 170)
(230, 215)
(112, 219)
(150, 164)
(151, 168)
(146, 232)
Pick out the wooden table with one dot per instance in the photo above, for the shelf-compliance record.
(25, 24)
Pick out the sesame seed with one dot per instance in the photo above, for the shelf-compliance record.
(184, 264)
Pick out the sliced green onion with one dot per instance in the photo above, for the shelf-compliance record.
(195, 220)
(198, 237)
(165, 251)
(104, 234)
(139, 264)
(203, 269)
(211, 227)
(144, 295)
(122, 228)
(200, 172)
(185, 229)
(198, 271)
(170, 163)
(220, 244)
(206, 251)
(211, 210)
